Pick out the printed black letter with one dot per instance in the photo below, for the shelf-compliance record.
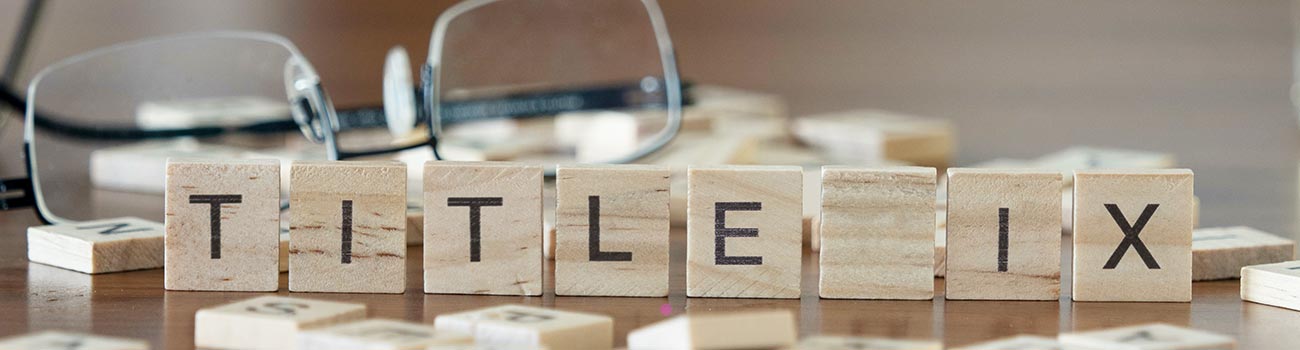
(593, 235)
(474, 203)
(214, 202)
(1131, 236)
(721, 232)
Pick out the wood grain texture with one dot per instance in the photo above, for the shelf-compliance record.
(1220, 253)
(833, 342)
(347, 227)
(750, 329)
(1275, 284)
(509, 260)
(379, 334)
(1147, 336)
(268, 322)
(1003, 234)
(630, 256)
(756, 212)
(524, 327)
(877, 232)
(55, 340)
(240, 249)
(1019, 342)
(1109, 207)
(98, 246)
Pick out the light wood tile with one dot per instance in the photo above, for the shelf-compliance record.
(222, 223)
(1004, 234)
(347, 227)
(753, 329)
(379, 334)
(1220, 253)
(268, 322)
(56, 340)
(487, 219)
(1019, 342)
(1133, 235)
(98, 246)
(612, 230)
(1147, 337)
(519, 326)
(744, 233)
(877, 231)
(826, 342)
(1275, 284)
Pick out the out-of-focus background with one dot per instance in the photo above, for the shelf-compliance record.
(1206, 81)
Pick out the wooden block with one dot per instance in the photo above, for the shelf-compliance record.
(612, 230)
(877, 232)
(1272, 284)
(1019, 342)
(824, 342)
(223, 222)
(141, 167)
(1133, 235)
(483, 347)
(874, 135)
(268, 322)
(414, 225)
(1148, 336)
(755, 329)
(519, 326)
(744, 231)
(487, 220)
(941, 243)
(347, 227)
(1083, 157)
(379, 334)
(1220, 253)
(284, 250)
(1004, 234)
(99, 246)
(55, 340)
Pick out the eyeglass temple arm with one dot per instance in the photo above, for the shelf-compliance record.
(20, 186)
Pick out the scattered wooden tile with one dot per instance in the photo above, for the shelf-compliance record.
(519, 326)
(56, 340)
(347, 227)
(379, 334)
(754, 329)
(824, 342)
(1148, 336)
(99, 246)
(1133, 235)
(222, 223)
(414, 225)
(1220, 253)
(268, 322)
(1004, 232)
(1275, 284)
(487, 218)
(874, 135)
(941, 243)
(1084, 157)
(284, 250)
(141, 167)
(483, 347)
(877, 232)
(1019, 342)
(612, 230)
(744, 233)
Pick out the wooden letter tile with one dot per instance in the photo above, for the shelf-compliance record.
(612, 230)
(223, 225)
(54, 340)
(379, 334)
(268, 322)
(744, 231)
(347, 227)
(1019, 342)
(1133, 235)
(486, 219)
(1004, 234)
(1272, 284)
(758, 329)
(284, 250)
(877, 232)
(524, 327)
(1147, 337)
(100, 246)
(826, 342)
(1220, 253)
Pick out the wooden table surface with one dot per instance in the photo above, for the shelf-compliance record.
(1206, 81)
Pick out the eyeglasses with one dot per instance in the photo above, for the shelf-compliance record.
(545, 81)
